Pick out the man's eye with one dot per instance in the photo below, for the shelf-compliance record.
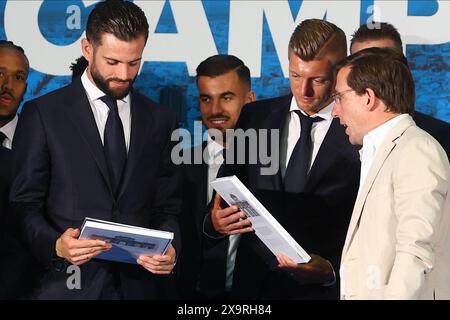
(111, 63)
(204, 100)
(320, 81)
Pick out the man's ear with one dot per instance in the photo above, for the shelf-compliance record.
(371, 100)
(251, 96)
(87, 49)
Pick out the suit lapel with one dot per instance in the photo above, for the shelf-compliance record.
(334, 143)
(200, 174)
(202, 171)
(380, 158)
(275, 121)
(139, 123)
(81, 113)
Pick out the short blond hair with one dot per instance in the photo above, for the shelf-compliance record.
(313, 39)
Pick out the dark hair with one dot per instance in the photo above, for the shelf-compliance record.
(78, 67)
(315, 38)
(11, 45)
(386, 72)
(220, 64)
(377, 31)
(123, 19)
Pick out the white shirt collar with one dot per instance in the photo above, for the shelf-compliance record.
(324, 113)
(375, 138)
(93, 92)
(9, 130)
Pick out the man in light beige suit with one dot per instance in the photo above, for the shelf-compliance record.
(397, 244)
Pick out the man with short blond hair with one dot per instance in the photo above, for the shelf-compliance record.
(312, 193)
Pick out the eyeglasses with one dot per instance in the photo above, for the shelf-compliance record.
(338, 95)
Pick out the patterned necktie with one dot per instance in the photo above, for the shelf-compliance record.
(297, 169)
(114, 144)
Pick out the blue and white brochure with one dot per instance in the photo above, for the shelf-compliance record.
(128, 242)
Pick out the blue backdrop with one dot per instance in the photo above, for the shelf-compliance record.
(256, 31)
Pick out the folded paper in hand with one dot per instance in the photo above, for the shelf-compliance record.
(128, 242)
(266, 227)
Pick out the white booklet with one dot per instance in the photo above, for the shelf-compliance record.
(128, 242)
(266, 227)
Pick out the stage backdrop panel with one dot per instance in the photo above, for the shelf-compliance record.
(183, 33)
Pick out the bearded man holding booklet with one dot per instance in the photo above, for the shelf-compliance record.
(97, 148)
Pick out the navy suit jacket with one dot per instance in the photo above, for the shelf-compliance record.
(60, 177)
(16, 264)
(203, 262)
(317, 218)
(5, 181)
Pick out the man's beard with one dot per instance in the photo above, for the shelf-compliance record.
(103, 84)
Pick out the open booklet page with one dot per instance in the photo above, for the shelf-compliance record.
(267, 228)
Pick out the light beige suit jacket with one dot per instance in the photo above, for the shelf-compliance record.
(398, 244)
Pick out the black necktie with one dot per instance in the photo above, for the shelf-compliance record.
(114, 144)
(2, 138)
(297, 169)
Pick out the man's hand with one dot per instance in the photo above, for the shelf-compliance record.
(230, 220)
(77, 251)
(158, 264)
(317, 270)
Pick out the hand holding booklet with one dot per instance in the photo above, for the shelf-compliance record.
(266, 227)
(128, 242)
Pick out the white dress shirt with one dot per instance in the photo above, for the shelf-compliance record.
(291, 133)
(101, 110)
(215, 160)
(9, 129)
(371, 143)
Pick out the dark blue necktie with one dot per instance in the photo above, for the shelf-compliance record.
(2, 138)
(297, 169)
(114, 144)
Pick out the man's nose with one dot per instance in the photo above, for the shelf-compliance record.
(306, 88)
(335, 111)
(216, 106)
(123, 72)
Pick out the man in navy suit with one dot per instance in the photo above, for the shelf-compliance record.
(99, 149)
(14, 260)
(206, 267)
(313, 192)
(385, 35)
